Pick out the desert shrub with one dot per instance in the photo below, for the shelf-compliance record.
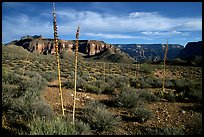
(50, 75)
(163, 131)
(81, 83)
(20, 98)
(140, 114)
(170, 96)
(11, 78)
(98, 83)
(156, 83)
(133, 82)
(93, 89)
(121, 81)
(99, 118)
(42, 109)
(189, 89)
(128, 98)
(168, 83)
(147, 68)
(108, 89)
(142, 83)
(55, 126)
(110, 80)
(64, 55)
(178, 84)
(82, 128)
(194, 90)
(149, 81)
(68, 84)
(195, 95)
(58, 126)
(85, 76)
(147, 96)
(194, 126)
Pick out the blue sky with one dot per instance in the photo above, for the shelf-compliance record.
(112, 22)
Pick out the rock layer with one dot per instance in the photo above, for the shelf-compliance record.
(46, 46)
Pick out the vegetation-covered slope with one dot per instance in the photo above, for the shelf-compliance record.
(112, 98)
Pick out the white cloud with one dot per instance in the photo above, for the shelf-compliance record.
(164, 33)
(143, 14)
(99, 24)
(136, 21)
(114, 36)
(21, 25)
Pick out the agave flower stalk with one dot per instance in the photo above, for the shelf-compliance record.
(75, 75)
(163, 81)
(104, 72)
(57, 56)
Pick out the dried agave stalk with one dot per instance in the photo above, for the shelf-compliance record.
(163, 78)
(104, 68)
(75, 75)
(57, 56)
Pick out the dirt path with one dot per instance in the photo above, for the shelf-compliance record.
(52, 96)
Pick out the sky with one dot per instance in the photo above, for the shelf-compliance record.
(111, 22)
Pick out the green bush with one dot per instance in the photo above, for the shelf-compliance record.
(50, 75)
(99, 118)
(81, 83)
(133, 82)
(147, 96)
(163, 131)
(142, 83)
(68, 84)
(128, 98)
(121, 81)
(58, 126)
(194, 126)
(156, 83)
(21, 99)
(170, 96)
(194, 91)
(147, 68)
(169, 84)
(82, 128)
(108, 89)
(140, 114)
(190, 89)
(109, 79)
(93, 89)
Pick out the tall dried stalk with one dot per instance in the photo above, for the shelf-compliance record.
(104, 72)
(57, 56)
(75, 75)
(163, 78)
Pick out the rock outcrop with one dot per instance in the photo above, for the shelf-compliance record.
(191, 49)
(192, 53)
(46, 46)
